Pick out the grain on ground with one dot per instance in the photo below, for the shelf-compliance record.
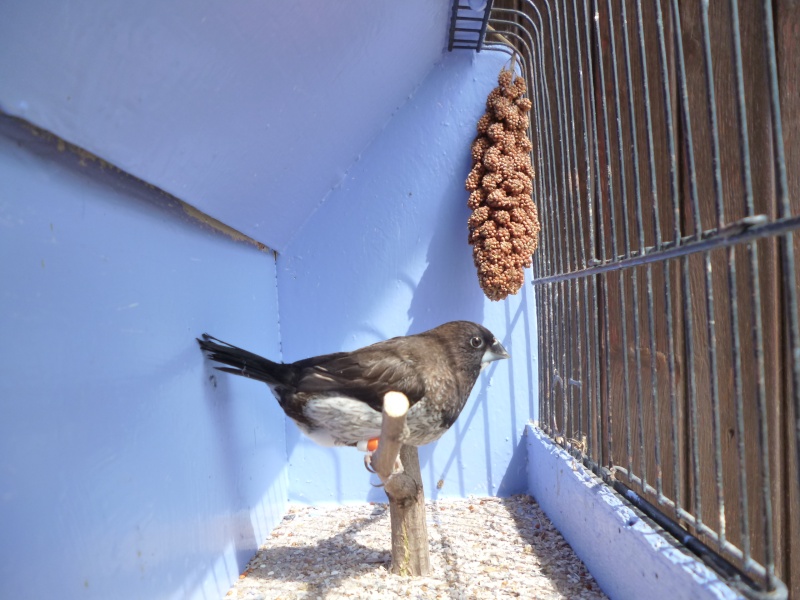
(480, 548)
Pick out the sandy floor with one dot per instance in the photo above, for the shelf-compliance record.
(480, 548)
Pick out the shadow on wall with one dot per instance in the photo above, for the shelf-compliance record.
(450, 279)
(225, 410)
(515, 480)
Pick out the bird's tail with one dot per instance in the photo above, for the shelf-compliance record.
(241, 362)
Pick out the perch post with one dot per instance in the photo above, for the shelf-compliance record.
(404, 489)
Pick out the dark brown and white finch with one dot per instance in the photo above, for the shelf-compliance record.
(336, 399)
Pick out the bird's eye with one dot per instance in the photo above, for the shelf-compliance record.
(476, 342)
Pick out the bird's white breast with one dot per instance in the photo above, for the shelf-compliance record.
(340, 420)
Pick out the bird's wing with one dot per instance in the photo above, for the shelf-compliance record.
(365, 374)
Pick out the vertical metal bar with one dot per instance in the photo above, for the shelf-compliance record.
(564, 259)
(673, 399)
(761, 401)
(744, 505)
(656, 243)
(676, 233)
(683, 96)
(557, 259)
(632, 124)
(537, 413)
(566, 194)
(541, 256)
(592, 349)
(453, 18)
(744, 141)
(688, 314)
(757, 330)
(640, 237)
(487, 11)
(551, 232)
(599, 225)
(651, 331)
(762, 427)
(601, 280)
(715, 418)
(718, 204)
(560, 125)
(574, 358)
(688, 332)
(648, 122)
(606, 143)
(580, 259)
(637, 356)
(549, 238)
(744, 145)
(667, 97)
(566, 157)
(627, 254)
(787, 247)
(611, 201)
(568, 203)
(534, 94)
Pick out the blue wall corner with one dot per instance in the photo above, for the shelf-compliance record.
(120, 450)
(386, 254)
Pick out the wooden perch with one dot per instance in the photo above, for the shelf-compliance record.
(404, 488)
(395, 407)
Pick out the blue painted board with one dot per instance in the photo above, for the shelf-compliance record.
(250, 111)
(125, 472)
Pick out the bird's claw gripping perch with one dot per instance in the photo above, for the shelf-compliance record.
(368, 447)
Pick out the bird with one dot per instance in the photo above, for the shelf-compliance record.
(336, 399)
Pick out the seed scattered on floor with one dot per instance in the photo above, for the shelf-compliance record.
(480, 548)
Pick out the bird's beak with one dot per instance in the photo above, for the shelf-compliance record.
(495, 352)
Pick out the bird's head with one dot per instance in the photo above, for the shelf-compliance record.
(474, 342)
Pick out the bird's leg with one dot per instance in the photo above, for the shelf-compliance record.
(368, 448)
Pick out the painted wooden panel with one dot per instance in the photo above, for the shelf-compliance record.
(250, 111)
(125, 470)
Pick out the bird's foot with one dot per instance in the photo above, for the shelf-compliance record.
(368, 462)
(369, 448)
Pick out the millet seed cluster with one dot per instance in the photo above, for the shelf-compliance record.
(504, 225)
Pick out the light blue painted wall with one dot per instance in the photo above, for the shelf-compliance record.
(386, 254)
(124, 472)
(249, 110)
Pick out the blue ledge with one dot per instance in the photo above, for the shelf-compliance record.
(627, 555)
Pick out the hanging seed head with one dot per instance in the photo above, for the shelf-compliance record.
(504, 225)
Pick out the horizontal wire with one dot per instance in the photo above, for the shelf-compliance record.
(741, 232)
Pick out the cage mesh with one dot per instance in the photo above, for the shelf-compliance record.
(666, 279)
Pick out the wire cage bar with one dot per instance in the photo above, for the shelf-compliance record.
(665, 280)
